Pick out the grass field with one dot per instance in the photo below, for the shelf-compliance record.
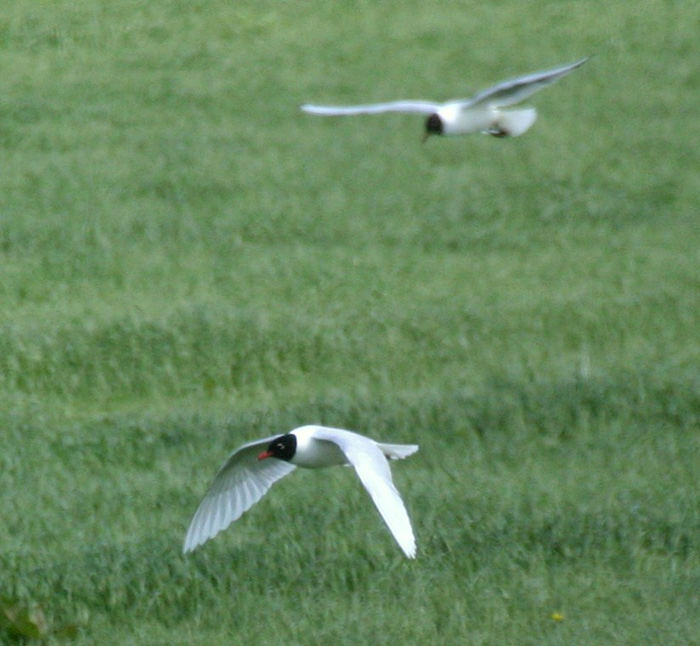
(189, 262)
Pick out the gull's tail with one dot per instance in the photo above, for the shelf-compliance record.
(397, 451)
(511, 123)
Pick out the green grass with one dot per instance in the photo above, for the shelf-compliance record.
(189, 262)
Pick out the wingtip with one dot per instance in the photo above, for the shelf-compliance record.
(581, 61)
(191, 542)
(409, 550)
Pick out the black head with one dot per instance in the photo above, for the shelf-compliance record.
(283, 448)
(433, 125)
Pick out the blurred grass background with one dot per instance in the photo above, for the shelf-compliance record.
(189, 262)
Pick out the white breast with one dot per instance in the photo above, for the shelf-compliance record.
(315, 454)
(460, 121)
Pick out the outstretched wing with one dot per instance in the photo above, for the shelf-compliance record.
(421, 107)
(238, 485)
(373, 470)
(515, 90)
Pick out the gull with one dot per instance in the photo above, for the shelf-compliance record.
(253, 468)
(482, 113)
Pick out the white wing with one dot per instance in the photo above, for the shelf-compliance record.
(373, 470)
(517, 89)
(238, 485)
(422, 107)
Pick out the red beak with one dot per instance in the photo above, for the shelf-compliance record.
(264, 455)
